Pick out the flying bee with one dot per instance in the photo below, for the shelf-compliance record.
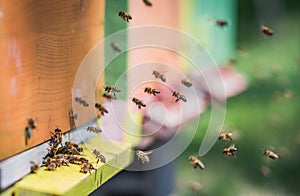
(195, 186)
(266, 30)
(99, 156)
(226, 136)
(159, 75)
(144, 156)
(231, 150)
(101, 109)
(86, 167)
(138, 102)
(115, 47)
(186, 83)
(94, 129)
(81, 101)
(147, 3)
(221, 23)
(109, 96)
(34, 167)
(111, 89)
(125, 16)
(178, 96)
(271, 154)
(196, 162)
(151, 91)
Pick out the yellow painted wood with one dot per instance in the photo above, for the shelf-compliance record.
(69, 181)
(133, 123)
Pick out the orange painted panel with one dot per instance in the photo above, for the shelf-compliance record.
(42, 43)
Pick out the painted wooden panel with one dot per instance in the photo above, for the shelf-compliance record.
(42, 43)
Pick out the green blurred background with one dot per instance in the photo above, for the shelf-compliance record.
(266, 115)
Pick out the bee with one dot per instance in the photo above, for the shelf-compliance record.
(28, 134)
(115, 47)
(34, 167)
(56, 138)
(99, 156)
(178, 96)
(94, 129)
(221, 23)
(28, 130)
(72, 118)
(231, 150)
(31, 123)
(86, 167)
(80, 101)
(125, 16)
(266, 30)
(271, 154)
(143, 156)
(186, 83)
(109, 96)
(159, 75)
(196, 162)
(151, 91)
(147, 3)
(226, 136)
(51, 167)
(195, 186)
(138, 102)
(111, 89)
(101, 109)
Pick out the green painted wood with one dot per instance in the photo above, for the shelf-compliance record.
(198, 20)
(115, 69)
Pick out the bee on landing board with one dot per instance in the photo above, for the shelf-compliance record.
(34, 167)
(125, 16)
(186, 83)
(221, 23)
(147, 3)
(152, 91)
(231, 150)
(226, 136)
(144, 156)
(159, 75)
(271, 154)
(99, 156)
(266, 30)
(86, 167)
(94, 129)
(138, 102)
(196, 162)
(178, 96)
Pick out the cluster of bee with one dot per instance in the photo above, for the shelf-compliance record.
(62, 155)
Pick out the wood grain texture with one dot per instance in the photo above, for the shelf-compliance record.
(42, 43)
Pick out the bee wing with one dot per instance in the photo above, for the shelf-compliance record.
(148, 152)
